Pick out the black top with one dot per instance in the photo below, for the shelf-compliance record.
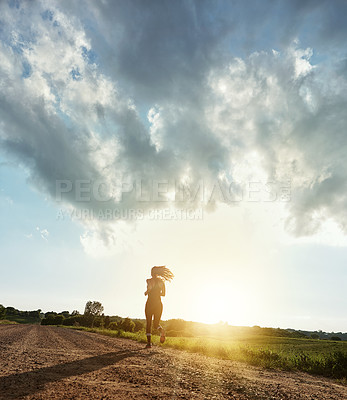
(155, 292)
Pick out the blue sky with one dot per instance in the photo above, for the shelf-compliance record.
(244, 101)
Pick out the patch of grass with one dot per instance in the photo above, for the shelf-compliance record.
(7, 322)
(327, 358)
(22, 319)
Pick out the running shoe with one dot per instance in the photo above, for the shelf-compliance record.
(148, 346)
(162, 336)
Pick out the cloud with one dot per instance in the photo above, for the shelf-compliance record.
(113, 93)
(43, 233)
(292, 114)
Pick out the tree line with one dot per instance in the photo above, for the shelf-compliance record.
(12, 314)
(93, 317)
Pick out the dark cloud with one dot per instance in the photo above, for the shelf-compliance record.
(79, 78)
(161, 50)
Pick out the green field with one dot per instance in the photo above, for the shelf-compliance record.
(321, 357)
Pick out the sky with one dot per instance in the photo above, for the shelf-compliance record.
(206, 136)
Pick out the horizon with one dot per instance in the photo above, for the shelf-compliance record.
(210, 138)
(219, 323)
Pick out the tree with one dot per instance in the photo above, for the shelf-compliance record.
(34, 314)
(102, 321)
(127, 325)
(52, 319)
(113, 326)
(177, 324)
(92, 310)
(107, 321)
(75, 312)
(66, 314)
(50, 313)
(11, 311)
(58, 319)
(2, 311)
(139, 326)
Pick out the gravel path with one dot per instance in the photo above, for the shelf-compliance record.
(43, 362)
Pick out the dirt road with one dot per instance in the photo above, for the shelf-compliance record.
(42, 362)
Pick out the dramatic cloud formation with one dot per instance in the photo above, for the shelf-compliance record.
(109, 94)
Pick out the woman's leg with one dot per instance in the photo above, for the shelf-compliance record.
(157, 315)
(149, 315)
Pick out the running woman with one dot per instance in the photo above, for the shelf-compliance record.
(154, 306)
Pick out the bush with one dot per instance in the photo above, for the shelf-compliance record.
(71, 321)
(139, 326)
(2, 311)
(98, 322)
(113, 326)
(53, 320)
(127, 325)
(59, 319)
(336, 364)
(176, 325)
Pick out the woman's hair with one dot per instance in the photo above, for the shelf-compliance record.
(163, 272)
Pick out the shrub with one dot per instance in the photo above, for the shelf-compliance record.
(2, 311)
(70, 321)
(53, 320)
(139, 326)
(335, 365)
(176, 324)
(113, 326)
(127, 325)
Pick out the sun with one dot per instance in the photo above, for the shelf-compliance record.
(216, 304)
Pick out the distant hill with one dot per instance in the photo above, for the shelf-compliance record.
(322, 335)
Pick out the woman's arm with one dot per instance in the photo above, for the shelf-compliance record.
(162, 289)
(146, 292)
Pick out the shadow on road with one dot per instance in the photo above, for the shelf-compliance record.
(18, 385)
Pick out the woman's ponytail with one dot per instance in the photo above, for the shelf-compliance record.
(163, 272)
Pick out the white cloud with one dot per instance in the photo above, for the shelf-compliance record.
(44, 234)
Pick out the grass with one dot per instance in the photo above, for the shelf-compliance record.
(319, 357)
(7, 322)
(22, 319)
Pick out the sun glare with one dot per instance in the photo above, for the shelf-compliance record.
(216, 304)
